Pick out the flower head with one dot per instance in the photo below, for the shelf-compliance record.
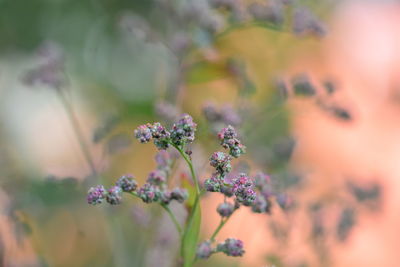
(51, 71)
(183, 130)
(143, 133)
(164, 196)
(148, 193)
(161, 136)
(260, 205)
(305, 22)
(204, 250)
(225, 209)
(157, 177)
(96, 195)
(229, 141)
(231, 247)
(179, 194)
(114, 195)
(127, 183)
(222, 162)
(227, 133)
(227, 186)
(212, 184)
(243, 190)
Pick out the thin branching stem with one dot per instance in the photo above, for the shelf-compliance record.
(170, 213)
(77, 129)
(221, 224)
(173, 218)
(190, 164)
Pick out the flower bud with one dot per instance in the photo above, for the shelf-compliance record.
(204, 250)
(179, 194)
(143, 133)
(114, 195)
(183, 131)
(222, 162)
(231, 247)
(148, 193)
(212, 184)
(96, 195)
(225, 209)
(127, 183)
(260, 205)
(157, 177)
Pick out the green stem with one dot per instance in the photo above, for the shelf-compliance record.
(192, 223)
(77, 129)
(170, 213)
(221, 224)
(190, 164)
(173, 218)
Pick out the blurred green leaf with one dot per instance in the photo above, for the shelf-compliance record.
(191, 236)
(203, 72)
(192, 192)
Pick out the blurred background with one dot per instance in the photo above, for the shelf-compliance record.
(312, 86)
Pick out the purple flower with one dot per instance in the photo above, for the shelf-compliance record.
(127, 183)
(183, 131)
(222, 162)
(272, 13)
(305, 22)
(243, 190)
(229, 141)
(143, 133)
(157, 177)
(231, 247)
(260, 205)
(160, 135)
(51, 71)
(225, 209)
(114, 195)
(227, 133)
(204, 250)
(165, 197)
(226, 115)
(227, 186)
(210, 112)
(148, 193)
(179, 194)
(163, 160)
(284, 201)
(166, 111)
(96, 195)
(230, 116)
(213, 184)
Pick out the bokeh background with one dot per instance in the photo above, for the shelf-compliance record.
(332, 151)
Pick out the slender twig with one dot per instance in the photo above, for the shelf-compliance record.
(221, 224)
(170, 213)
(77, 129)
(190, 164)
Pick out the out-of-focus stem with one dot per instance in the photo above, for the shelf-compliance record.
(173, 218)
(170, 213)
(77, 129)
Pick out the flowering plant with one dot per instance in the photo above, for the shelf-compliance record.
(239, 190)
